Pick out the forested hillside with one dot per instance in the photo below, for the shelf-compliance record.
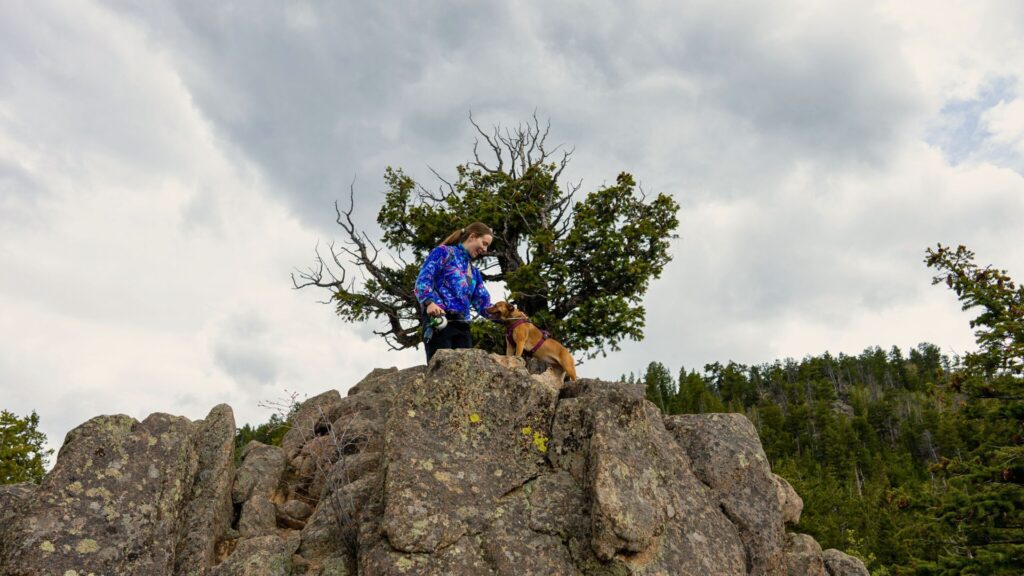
(857, 436)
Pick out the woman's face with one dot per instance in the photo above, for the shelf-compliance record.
(477, 245)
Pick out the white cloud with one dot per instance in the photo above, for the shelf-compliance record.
(1005, 121)
(956, 48)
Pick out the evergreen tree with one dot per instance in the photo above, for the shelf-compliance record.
(984, 506)
(658, 385)
(23, 456)
(270, 433)
(693, 395)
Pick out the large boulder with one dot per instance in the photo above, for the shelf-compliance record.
(838, 563)
(129, 497)
(309, 421)
(209, 508)
(269, 555)
(647, 512)
(791, 503)
(256, 489)
(727, 456)
(459, 442)
(803, 556)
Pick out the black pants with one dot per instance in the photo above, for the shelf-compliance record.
(455, 335)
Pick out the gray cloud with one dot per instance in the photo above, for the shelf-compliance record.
(338, 92)
(310, 91)
(244, 348)
(20, 193)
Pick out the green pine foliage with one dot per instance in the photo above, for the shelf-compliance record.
(23, 455)
(981, 510)
(270, 432)
(658, 385)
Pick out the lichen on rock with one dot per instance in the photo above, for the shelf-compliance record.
(85, 519)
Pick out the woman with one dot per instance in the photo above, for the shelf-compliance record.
(449, 285)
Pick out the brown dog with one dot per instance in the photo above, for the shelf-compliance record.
(525, 336)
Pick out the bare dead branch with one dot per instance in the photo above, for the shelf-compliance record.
(316, 277)
(445, 195)
(566, 155)
(490, 142)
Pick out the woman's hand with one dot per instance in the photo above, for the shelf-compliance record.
(434, 310)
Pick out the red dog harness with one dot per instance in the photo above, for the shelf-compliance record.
(544, 334)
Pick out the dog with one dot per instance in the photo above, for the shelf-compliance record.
(521, 335)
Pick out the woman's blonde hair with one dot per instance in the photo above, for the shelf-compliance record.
(459, 236)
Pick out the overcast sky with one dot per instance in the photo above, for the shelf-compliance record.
(164, 167)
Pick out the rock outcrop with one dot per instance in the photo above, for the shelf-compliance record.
(471, 465)
(128, 497)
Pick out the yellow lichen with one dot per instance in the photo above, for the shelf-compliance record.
(527, 431)
(98, 492)
(540, 441)
(474, 418)
(47, 546)
(87, 546)
(411, 413)
(419, 527)
(111, 512)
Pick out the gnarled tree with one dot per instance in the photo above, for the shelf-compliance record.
(579, 268)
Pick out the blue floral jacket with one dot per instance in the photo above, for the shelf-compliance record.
(448, 279)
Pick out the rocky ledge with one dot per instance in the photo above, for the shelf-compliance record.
(474, 464)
